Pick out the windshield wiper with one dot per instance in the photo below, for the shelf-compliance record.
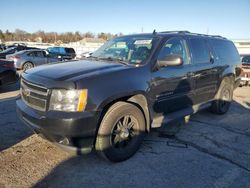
(93, 57)
(114, 60)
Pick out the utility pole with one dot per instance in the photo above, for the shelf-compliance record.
(55, 37)
(207, 31)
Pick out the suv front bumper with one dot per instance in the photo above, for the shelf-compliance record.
(74, 132)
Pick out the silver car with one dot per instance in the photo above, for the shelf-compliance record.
(27, 59)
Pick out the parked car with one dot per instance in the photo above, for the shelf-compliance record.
(2, 47)
(14, 49)
(245, 71)
(109, 101)
(8, 72)
(64, 53)
(19, 45)
(27, 59)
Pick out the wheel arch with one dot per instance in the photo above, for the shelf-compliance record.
(230, 77)
(138, 100)
(27, 62)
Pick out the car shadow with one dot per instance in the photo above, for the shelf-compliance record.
(12, 130)
(10, 87)
(87, 170)
(236, 112)
(8, 92)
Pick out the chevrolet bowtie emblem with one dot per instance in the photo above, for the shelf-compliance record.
(26, 92)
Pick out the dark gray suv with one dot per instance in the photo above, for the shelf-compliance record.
(127, 87)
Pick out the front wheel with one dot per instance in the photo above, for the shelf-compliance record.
(121, 132)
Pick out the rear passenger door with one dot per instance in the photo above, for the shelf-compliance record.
(205, 72)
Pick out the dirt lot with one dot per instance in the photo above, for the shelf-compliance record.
(209, 151)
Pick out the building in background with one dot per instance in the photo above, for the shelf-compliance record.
(86, 45)
(243, 46)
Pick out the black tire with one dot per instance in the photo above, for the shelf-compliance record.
(224, 98)
(115, 140)
(27, 65)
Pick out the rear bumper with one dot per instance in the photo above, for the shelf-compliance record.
(74, 132)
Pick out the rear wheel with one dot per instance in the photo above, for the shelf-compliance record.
(27, 65)
(224, 98)
(121, 132)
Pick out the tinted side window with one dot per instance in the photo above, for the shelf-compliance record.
(39, 54)
(61, 50)
(31, 54)
(54, 49)
(199, 50)
(225, 50)
(174, 46)
(69, 50)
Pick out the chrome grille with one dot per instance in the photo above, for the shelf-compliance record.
(34, 95)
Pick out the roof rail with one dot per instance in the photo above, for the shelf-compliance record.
(205, 35)
(197, 34)
(175, 32)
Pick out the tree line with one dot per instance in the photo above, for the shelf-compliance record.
(51, 37)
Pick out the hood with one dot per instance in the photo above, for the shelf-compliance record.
(65, 71)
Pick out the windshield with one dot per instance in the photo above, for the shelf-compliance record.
(129, 49)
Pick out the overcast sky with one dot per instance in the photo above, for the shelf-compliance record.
(230, 18)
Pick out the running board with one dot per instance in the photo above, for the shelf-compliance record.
(163, 120)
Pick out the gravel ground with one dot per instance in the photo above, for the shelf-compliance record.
(209, 151)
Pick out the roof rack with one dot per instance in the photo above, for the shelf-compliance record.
(198, 34)
(205, 35)
(174, 32)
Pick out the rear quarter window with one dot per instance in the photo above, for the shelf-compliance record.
(225, 50)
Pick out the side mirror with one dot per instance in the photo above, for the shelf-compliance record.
(170, 60)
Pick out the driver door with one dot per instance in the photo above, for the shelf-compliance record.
(172, 87)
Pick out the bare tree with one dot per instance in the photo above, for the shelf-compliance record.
(51, 37)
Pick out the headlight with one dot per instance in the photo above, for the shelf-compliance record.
(68, 100)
